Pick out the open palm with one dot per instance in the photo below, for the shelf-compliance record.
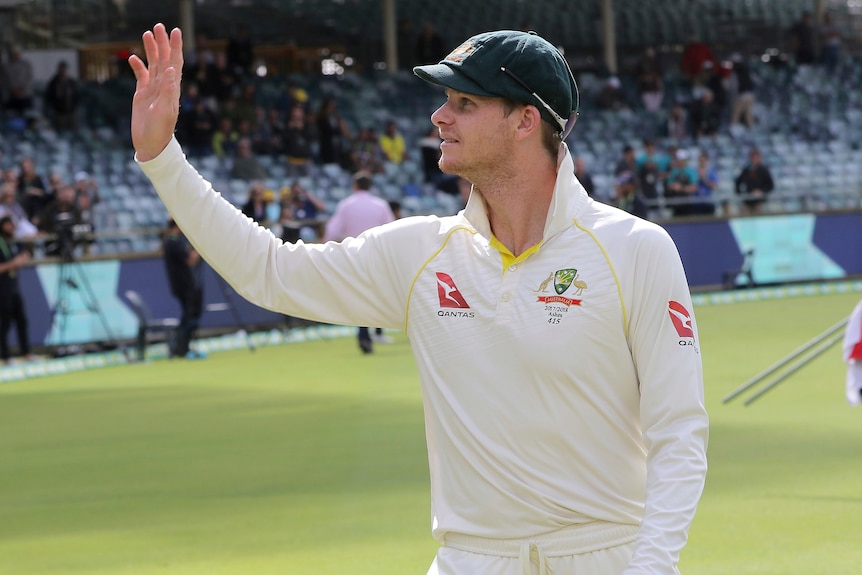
(156, 103)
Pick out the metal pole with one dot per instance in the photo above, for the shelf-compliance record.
(390, 39)
(799, 365)
(796, 353)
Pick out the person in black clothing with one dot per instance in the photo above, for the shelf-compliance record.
(743, 104)
(240, 51)
(12, 257)
(61, 99)
(802, 34)
(753, 183)
(584, 176)
(183, 265)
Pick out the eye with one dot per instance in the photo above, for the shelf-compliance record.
(465, 102)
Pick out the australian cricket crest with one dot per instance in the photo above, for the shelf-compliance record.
(563, 280)
(557, 306)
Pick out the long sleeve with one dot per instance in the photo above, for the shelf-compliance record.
(666, 352)
(333, 283)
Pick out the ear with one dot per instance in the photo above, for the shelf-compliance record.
(530, 122)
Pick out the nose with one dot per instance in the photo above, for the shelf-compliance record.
(441, 115)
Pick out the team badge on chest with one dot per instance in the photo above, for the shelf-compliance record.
(557, 306)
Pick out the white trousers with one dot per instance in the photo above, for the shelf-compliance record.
(854, 382)
(593, 549)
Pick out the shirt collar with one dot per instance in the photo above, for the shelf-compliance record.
(567, 203)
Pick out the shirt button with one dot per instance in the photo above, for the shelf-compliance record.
(505, 297)
(513, 267)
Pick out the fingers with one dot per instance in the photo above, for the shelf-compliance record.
(176, 46)
(163, 47)
(139, 69)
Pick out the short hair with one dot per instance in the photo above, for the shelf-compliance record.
(551, 135)
(362, 180)
(5, 219)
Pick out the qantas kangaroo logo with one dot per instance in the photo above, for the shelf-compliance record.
(448, 293)
(681, 319)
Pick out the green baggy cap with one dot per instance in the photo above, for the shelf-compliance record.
(479, 66)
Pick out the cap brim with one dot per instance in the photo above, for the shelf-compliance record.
(449, 77)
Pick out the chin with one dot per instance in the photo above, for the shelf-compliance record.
(448, 166)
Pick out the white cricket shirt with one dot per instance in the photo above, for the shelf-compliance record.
(561, 387)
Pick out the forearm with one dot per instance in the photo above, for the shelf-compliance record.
(301, 280)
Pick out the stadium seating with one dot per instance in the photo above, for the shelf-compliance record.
(809, 121)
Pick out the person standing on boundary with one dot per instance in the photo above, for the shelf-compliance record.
(554, 336)
(12, 257)
(852, 348)
(185, 276)
(353, 215)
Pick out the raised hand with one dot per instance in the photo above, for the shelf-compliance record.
(156, 103)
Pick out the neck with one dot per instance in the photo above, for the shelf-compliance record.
(518, 202)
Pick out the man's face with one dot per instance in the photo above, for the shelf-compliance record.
(476, 134)
(8, 228)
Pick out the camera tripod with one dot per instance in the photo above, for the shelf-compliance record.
(72, 276)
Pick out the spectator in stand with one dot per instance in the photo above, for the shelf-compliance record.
(240, 52)
(353, 215)
(707, 181)
(611, 96)
(246, 106)
(61, 99)
(222, 81)
(225, 138)
(12, 258)
(392, 144)
(714, 79)
(584, 176)
(18, 78)
(12, 209)
(429, 148)
(705, 115)
(55, 182)
(245, 165)
(32, 194)
(429, 46)
(297, 143)
(367, 152)
(268, 136)
(681, 184)
(628, 197)
(84, 201)
(652, 170)
(256, 206)
(332, 134)
(754, 183)
(802, 35)
(650, 77)
(197, 128)
(198, 57)
(695, 54)
(300, 212)
(59, 217)
(290, 96)
(744, 100)
(627, 163)
(677, 123)
(84, 184)
(395, 206)
(830, 41)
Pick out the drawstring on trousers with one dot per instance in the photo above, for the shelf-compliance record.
(531, 552)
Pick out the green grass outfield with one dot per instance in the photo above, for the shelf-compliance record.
(309, 459)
